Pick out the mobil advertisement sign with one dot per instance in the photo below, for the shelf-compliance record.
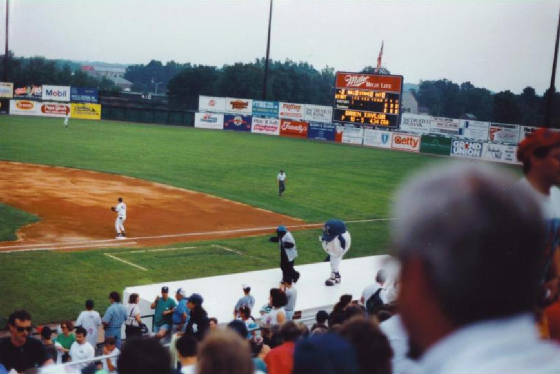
(211, 104)
(321, 131)
(295, 129)
(237, 122)
(56, 93)
(377, 138)
(84, 95)
(25, 108)
(267, 109)
(239, 106)
(267, 126)
(499, 153)
(317, 113)
(213, 121)
(405, 142)
(291, 111)
(466, 148)
(55, 109)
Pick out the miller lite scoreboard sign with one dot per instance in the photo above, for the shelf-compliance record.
(367, 99)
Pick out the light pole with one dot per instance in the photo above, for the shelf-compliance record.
(267, 51)
(6, 49)
(552, 89)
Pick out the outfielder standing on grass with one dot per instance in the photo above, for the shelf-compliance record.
(281, 179)
(120, 209)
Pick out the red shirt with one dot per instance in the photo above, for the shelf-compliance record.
(280, 360)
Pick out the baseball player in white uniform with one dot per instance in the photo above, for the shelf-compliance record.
(66, 119)
(120, 209)
(281, 178)
(336, 242)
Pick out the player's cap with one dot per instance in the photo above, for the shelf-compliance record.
(538, 139)
(246, 286)
(182, 292)
(196, 299)
(282, 229)
(333, 228)
(165, 289)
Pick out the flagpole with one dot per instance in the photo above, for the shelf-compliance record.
(552, 89)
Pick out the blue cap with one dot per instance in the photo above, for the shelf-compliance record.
(333, 228)
(282, 229)
(195, 299)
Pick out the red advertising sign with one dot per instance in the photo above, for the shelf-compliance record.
(296, 129)
(55, 109)
(386, 83)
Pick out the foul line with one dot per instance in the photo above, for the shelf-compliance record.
(227, 249)
(68, 246)
(126, 262)
(158, 250)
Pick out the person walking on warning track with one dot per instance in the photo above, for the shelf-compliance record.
(281, 178)
(120, 209)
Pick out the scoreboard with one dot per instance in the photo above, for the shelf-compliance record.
(367, 99)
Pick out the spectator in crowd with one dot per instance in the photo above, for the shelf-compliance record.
(180, 313)
(81, 349)
(239, 327)
(198, 323)
(373, 288)
(250, 323)
(46, 339)
(90, 320)
(110, 348)
(373, 352)
(246, 300)
(324, 354)
(224, 352)
(291, 296)
(212, 323)
(403, 361)
(64, 340)
(186, 349)
(354, 310)
(280, 359)
(114, 317)
(277, 315)
(471, 251)
(164, 307)
(144, 355)
(337, 315)
(320, 325)
(19, 351)
(259, 351)
(133, 323)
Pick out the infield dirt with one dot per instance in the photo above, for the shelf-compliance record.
(74, 206)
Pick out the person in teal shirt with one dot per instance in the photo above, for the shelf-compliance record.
(164, 307)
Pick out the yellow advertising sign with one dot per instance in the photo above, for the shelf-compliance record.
(85, 111)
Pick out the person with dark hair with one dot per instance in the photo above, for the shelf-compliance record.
(337, 315)
(248, 320)
(144, 355)
(114, 317)
(291, 296)
(133, 323)
(198, 323)
(19, 351)
(64, 341)
(239, 327)
(373, 352)
(90, 320)
(212, 323)
(246, 300)
(186, 349)
(46, 339)
(81, 349)
(110, 348)
(288, 253)
(280, 359)
(277, 315)
(320, 326)
(224, 352)
(469, 280)
(163, 315)
(324, 354)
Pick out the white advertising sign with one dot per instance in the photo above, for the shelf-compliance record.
(405, 142)
(56, 93)
(291, 111)
(267, 126)
(54, 109)
(317, 113)
(6, 90)
(416, 123)
(211, 104)
(502, 133)
(353, 135)
(466, 148)
(209, 121)
(239, 106)
(447, 126)
(376, 138)
(476, 130)
(25, 108)
(524, 131)
(500, 153)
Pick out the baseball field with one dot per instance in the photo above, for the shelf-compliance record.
(200, 203)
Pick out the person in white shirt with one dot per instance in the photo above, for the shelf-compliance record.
(81, 349)
(120, 209)
(471, 250)
(110, 348)
(66, 118)
(90, 320)
(281, 179)
(374, 287)
(186, 348)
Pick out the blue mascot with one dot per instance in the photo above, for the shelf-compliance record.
(336, 242)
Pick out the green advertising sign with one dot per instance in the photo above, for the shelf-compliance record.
(437, 144)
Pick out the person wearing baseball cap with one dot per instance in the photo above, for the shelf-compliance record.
(181, 312)
(539, 153)
(246, 300)
(288, 253)
(164, 307)
(198, 323)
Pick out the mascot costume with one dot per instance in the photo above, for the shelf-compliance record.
(336, 242)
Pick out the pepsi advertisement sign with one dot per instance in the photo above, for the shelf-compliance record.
(84, 95)
(237, 122)
(321, 131)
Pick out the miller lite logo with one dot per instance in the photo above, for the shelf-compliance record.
(356, 80)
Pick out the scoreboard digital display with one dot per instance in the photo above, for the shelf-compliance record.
(367, 99)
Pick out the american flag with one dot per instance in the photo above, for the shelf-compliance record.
(380, 56)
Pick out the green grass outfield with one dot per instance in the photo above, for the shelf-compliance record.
(324, 180)
(11, 219)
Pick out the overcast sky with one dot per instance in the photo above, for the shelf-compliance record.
(494, 44)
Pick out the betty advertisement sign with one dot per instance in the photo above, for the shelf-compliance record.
(296, 129)
(405, 142)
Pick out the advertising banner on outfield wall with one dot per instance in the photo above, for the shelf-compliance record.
(377, 138)
(416, 123)
(237, 122)
(291, 111)
(294, 129)
(448, 126)
(502, 133)
(267, 109)
(85, 111)
(85, 95)
(405, 142)
(211, 104)
(524, 131)
(56, 93)
(28, 92)
(25, 108)
(436, 144)
(476, 130)
(239, 106)
(55, 109)
(267, 126)
(338, 133)
(317, 113)
(213, 121)
(321, 131)
(6, 90)
(4, 106)
(500, 153)
(353, 135)
(466, 148)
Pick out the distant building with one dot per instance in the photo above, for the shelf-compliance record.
(114, 73)
(409, 103)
